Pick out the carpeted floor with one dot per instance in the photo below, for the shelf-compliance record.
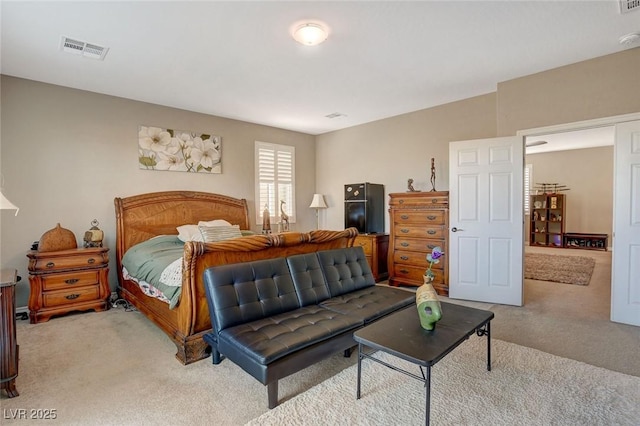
(525, 387)
(557, 268)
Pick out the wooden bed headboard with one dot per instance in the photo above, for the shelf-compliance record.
(141, 217)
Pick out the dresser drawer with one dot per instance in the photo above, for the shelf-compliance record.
(70, 280)
(419, 231)
(61, 298)
(424, 202)
(80, 259)
(436, 217)
(413, 244)
(415, 274)
(415, 258)
(365, 243)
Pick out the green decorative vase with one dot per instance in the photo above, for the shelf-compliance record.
(429, 309)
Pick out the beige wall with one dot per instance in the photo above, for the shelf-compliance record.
(390, 151)
(601, 87)
(588, 173)
(66, 154)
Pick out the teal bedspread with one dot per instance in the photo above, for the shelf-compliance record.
(146, 261)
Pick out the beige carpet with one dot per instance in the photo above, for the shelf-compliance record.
(525, 387)
(562, 269)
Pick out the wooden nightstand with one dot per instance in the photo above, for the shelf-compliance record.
(9, 347)
(68, 280)
(375, 248)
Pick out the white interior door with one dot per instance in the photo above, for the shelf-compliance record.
(625, 274)
(486, 219)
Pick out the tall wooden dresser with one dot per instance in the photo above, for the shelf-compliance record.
(419, 222)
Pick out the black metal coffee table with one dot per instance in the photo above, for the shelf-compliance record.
(401, 335)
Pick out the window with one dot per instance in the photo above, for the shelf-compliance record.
(528, 170)
(275, 180)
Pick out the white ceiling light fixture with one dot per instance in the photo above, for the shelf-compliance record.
(535, 143)
(310, 33)
(630, 38)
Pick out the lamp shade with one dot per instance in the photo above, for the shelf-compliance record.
(7, 205)
(318, 202)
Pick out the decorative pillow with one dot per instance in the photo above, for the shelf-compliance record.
(215, 222)
(212, 234)
(189, 233)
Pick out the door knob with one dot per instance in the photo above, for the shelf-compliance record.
(454, 229)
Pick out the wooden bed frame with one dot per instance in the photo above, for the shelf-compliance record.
(141, 217)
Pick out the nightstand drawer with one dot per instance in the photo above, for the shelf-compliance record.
(70, 280)
(365, 243)
(79, 259)
(63, 298)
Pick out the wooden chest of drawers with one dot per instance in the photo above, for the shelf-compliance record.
(375, 248)
(419, 222)
(68, 280)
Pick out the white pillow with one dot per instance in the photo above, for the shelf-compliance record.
(215, 222)
(189, 233)
(211, 234)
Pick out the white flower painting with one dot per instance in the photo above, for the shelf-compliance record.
(178, 150)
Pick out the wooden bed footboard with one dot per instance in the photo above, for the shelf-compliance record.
(141, 217)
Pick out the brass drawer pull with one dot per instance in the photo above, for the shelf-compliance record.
(434, 201)
(432, 217)
(91, 261)
(71, 281)
(404, 216)
(404, 257)
(401, 201)
(72, 296)
(404, 230)
(404, 244)
(431, 246)
(50, 265)
(404, 271)
(431, 232)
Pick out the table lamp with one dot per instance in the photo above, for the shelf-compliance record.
(318, 203)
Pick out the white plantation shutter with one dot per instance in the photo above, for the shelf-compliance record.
(527, 188)
(275, 166)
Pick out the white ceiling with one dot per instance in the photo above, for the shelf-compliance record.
(577, 139)
(238, 60)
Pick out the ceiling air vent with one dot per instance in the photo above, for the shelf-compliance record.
(627, 6)
(88, 50)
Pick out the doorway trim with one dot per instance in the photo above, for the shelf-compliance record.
(579, 125)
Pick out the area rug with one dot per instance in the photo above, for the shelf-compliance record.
(525, 387)
(562, 269)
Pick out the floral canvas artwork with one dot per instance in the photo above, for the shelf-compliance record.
(178, 150)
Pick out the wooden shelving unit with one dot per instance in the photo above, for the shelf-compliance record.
(547, 220)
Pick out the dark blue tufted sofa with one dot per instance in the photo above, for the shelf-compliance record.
(275, 317)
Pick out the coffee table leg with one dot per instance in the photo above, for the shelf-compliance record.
(359, 368)
(489, 346)
(427, 385)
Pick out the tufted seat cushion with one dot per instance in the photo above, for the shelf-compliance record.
(371, 303)
(269, 339)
